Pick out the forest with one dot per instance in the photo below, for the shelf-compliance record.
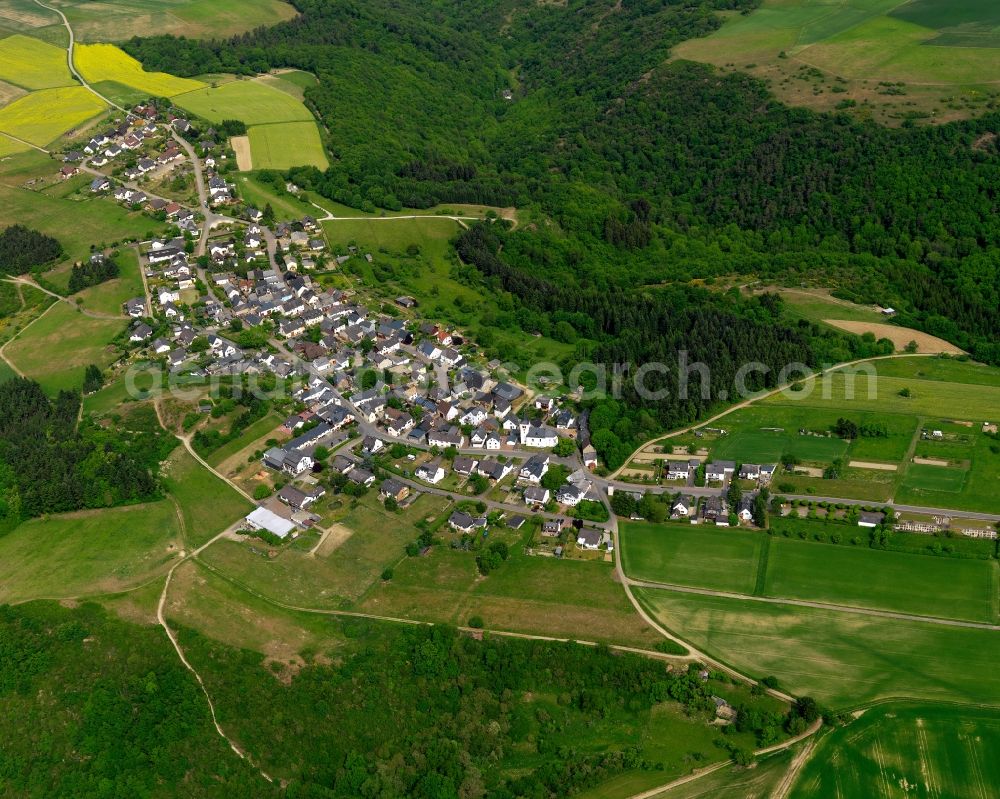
(22, 249)
(638, 171)
(50, 463)
(96, 270)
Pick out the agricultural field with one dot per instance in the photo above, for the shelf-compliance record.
(895, 581)
(57, 347)
(251, 101)
(101, 62)
(693, 555)
(33, 64)
(286, 144)
(43, 116)
(842, 659)
(903, 750)
(939, 60)
(191, 18)
(88, 552)
(754, 563)
(9, 146)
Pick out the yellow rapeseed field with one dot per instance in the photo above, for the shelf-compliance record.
(99, 62)
(32, 63)
(43, 116)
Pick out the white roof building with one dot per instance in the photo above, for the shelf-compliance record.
(263, 519)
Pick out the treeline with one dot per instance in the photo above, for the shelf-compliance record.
(428, 712)
(22, 249)
(49, 464)
(653, 171)
(91, 272)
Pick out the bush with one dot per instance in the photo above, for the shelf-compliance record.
(261, 492)
(387, 574)
(476, 622)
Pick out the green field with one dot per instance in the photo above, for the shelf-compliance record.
(9, 146)
(286, 144)
(694, 555)
(33, 64)
(103, 22)
(922, 477)
(55, 349)
(901, 751)
(899, 581)
(45, 115)
(753, 563)
(87, 552)
(843, 659)
(253, 102)
(945, 53)
(208, 505)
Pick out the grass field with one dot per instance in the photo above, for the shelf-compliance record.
(207, 503)
(753, 563)
(843, 659)
(55, 349)
(101, 62)
(251, 101)
(945, 54)
(87, 552)
(103, 22)
(43, 116)
(108, 297)
(95, 219)
(286, 144)
(686, 554)
(863, 577)
(9, 146)
(33, 64)
(900, 751)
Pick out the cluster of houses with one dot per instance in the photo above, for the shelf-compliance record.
(945, 524)
(719, 471)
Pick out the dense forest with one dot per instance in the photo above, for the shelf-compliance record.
(22, 249)
(91, 272)
(417, 712)
(50, 463)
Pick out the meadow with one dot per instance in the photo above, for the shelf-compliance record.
(251, 101)
(43, 116)
(88, 552)
(902, 750)
(33, 64)
(897, 581)
(754, 563)
(842, 659)
(945, 55)
(102, 62)
(57, 347)
(283, 145)
(191, 18)
(208, 505)
(693, 555)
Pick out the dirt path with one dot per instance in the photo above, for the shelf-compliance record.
(797, 763)
(881, 467)
(25, 281)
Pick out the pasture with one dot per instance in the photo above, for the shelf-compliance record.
(104, 22)
(33, 64)
(286, 144)
(43, 116)
(102, 62)
(842, 659)
(897, 581)
(945, 60)
(57, 347)
(250, 101)
(88, 552)
(529, 594)
(694, 555)
(904, 750)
